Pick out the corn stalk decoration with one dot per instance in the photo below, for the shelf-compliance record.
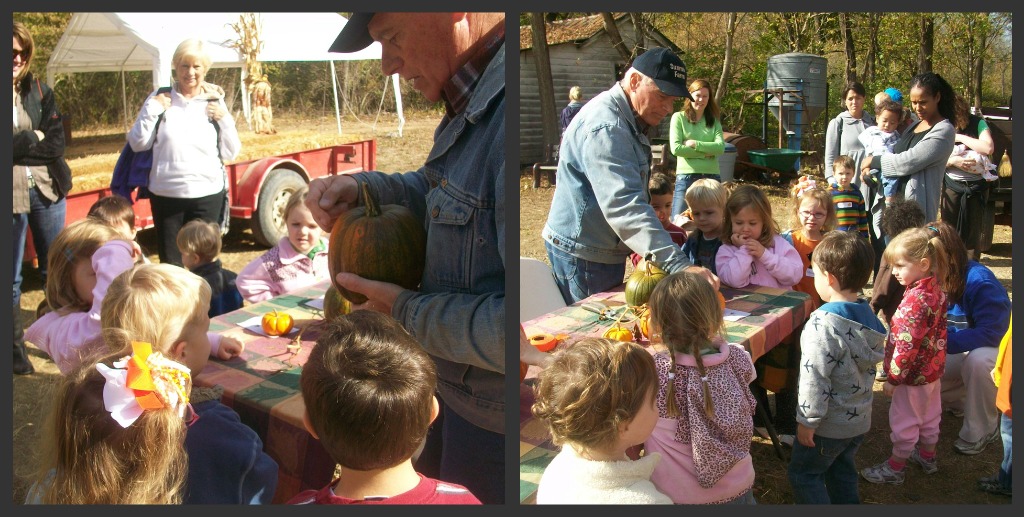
(249, 44)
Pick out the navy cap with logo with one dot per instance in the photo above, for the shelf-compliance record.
(355, 36)
(666, 69)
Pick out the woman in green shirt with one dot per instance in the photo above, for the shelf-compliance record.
(696, 141)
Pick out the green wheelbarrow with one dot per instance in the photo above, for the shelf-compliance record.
(777, 164)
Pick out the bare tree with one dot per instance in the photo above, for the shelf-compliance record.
(873, 21)
(730, 32)
(845, 27)
(545, 84)
(924, 55)
(616, 38)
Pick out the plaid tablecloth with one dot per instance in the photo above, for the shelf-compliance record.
(773, 315)
(262, 385)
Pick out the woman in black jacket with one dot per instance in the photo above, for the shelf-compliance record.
(41, 176)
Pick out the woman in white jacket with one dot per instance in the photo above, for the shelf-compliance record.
(192, 134)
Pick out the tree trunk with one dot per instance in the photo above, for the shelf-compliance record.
(874, 19)
(851, 53)
(730, 31)
(640, 30)
(616, 38)
(924, 55)
(545, 85)
(979, 64)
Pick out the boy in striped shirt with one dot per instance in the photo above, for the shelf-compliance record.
(851, 213)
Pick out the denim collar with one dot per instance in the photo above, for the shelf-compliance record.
(622, 105)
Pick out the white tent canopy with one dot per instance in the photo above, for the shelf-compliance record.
(120, 42)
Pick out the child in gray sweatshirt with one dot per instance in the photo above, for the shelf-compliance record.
(840, 345)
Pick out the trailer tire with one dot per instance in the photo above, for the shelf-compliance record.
(268, 224)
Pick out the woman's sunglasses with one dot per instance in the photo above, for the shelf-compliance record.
(23, 53)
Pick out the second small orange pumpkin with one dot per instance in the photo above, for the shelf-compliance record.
(277, 323)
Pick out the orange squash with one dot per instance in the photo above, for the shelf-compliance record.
(386, 243)
(721, 300)
(277, 323)
(645, 322)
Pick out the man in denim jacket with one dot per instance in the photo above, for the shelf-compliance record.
(601, 209)
(458, 315)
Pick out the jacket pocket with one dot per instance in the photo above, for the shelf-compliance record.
(450, 247)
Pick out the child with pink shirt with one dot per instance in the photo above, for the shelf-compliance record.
(705, 409)
(753, 252)
(85, 257)
(298, 260)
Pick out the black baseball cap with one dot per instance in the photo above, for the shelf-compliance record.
(666, 69)
(355, 36)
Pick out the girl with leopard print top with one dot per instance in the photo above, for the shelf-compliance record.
(705, 407)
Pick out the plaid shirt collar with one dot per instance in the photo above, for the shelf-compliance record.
(457, 90)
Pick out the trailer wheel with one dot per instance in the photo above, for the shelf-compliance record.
(268, 225)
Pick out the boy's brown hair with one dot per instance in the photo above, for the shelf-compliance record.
(844, 161)
(113, 210)
(660, 184)
(368, 388)
(846, 256)
(201, 238)
(591, 388)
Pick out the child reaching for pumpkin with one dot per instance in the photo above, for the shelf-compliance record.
(705, 410)
(597, 398)
(298, 260)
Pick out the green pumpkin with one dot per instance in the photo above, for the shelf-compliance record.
(335, 304)
(640, 284)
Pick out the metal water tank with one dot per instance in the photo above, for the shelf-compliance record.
(801, 72)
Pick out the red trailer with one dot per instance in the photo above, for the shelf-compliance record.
(258, 189)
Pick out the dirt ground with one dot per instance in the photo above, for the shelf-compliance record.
(954, 483)
(92, 156)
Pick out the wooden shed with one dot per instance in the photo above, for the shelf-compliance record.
(581, 54)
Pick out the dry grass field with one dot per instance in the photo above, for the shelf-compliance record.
(954, 483)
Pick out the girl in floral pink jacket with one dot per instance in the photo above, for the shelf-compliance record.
(705, 407)
(915, 354)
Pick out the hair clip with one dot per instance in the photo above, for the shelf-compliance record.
(803, 185)
(704, 378)
(671, 375)
(144, 381)
(69, 255)
(934, 229)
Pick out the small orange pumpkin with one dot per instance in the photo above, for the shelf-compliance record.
(277, 323)
(645, 322)
(619, 333)
(721, 300)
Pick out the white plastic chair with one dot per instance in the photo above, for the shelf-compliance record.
(538, 292)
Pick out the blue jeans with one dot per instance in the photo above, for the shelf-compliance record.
(46, 219)
(578, 278)
(825, 473)
(746, 498)
(459, 452)
(1006, 432)
(683, 182)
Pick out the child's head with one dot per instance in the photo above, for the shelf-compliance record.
(706, 199)
(847, 257)
(813, 209)
(888, 115)
(901, 214)
(955, 278)
(843, 169)
(686, 316)
(729, 187)
(661, 187)
(915, 254)
(146, 302)
(199, 242)
(96, 459)
(70, 278)
(595, 389)
(303, 232)
(749, 214)
(117, 212)
(386, 381)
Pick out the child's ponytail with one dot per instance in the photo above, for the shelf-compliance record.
(670, 392)
(709, 407)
